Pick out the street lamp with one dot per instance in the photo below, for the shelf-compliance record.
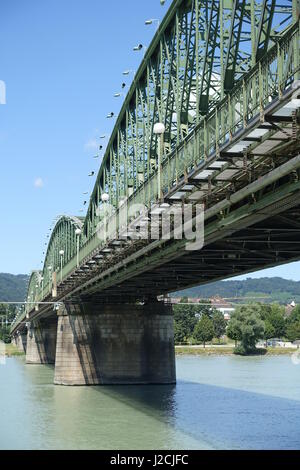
(150, 22)
(61, 253)
(105, 197)
(159, 130)
(127, 72)
(78, 233)
(139, 47)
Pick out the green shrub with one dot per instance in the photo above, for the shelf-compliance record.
(240, 350)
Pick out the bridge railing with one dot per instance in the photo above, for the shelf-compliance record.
(265, 82)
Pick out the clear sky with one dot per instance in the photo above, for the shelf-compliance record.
(62, 62)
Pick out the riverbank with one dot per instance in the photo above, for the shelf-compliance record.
(226, 350)
(9, 350)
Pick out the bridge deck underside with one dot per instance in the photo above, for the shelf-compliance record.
(270, 242)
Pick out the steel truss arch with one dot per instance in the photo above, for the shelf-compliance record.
(34, 284)
(200, 51)
(63, 238)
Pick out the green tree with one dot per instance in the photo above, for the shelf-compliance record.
(248, 326)
(186, 318)
(233, 331)
(179, 334)
(264, 310)
(205, 308)
(204, 330)
(219, 324)
(4, 334)
(269, 331)
(276, 318)
(293, 325)
(184, 322)
(293, 331)
(273, 317)
(7, 314)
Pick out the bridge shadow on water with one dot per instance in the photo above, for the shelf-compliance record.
(189, 414)
(221, 417)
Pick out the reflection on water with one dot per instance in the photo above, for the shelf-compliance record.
(219, 402)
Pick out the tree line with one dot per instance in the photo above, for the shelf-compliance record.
(248, 324)
(7, 314)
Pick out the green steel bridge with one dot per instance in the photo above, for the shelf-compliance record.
(223, 77)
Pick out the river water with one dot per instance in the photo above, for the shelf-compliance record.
(218, 403)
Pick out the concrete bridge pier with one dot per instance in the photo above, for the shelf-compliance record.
(41, 341)
(115, 344)
(20, 341)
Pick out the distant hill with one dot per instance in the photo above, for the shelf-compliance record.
(12, 288)
(277, 289)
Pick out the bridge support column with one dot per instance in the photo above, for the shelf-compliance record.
(115, 344)
(20, 341)
(41, 342)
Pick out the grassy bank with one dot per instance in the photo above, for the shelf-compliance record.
(10, 350)
(226, 351)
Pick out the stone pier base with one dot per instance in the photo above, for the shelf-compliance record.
(20, 341)
(41, 342)
(115, 344)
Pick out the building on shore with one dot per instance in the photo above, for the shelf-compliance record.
(289, 308)
(220, 304)
(223, 306)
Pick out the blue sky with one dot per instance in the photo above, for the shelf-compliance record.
(61, 61)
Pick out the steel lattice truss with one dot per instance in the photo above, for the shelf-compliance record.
(212, 67)
(202, 49)
(33, 285)
(63, 237)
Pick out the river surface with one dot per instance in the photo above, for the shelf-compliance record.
(218, 403)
